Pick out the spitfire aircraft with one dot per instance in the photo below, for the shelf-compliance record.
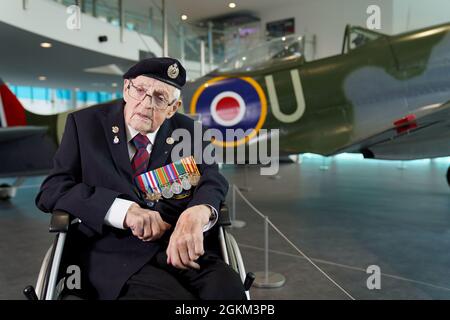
(27, 140)
(387, 97)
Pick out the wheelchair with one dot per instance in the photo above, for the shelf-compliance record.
(51, 278)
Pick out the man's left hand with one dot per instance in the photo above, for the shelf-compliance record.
(186, 241)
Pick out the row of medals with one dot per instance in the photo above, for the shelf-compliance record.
(176, 187)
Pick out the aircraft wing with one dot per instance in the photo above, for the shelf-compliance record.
(410, 138)
(13, 133)
(25, 151)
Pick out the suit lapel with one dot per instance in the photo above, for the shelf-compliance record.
(119, 150)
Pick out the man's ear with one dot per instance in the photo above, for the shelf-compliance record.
(173, 109)
(125, 88)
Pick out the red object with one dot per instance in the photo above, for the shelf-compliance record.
(228, 108)
(140, 159)
(12, 108)
(406, 123)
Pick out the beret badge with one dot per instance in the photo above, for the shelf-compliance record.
(173, 71)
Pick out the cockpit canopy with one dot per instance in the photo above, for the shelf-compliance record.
(355, 37)
(291, 47)
(284, 48)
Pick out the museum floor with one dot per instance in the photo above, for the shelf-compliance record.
(344, 213)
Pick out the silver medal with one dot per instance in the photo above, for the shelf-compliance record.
(176, 188)
(185, 183)
(167, 193)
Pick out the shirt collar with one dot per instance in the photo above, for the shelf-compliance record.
(131, 133)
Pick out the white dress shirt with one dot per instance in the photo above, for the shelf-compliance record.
(118, 210)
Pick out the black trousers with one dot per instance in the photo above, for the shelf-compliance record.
(159, 281)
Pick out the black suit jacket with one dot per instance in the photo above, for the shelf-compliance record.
(90, 172)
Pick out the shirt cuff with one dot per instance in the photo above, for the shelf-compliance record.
(211, 223)
(117, 212)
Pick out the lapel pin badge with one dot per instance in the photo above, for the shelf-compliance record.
(115, 129)
(116, 140)
(170, 140)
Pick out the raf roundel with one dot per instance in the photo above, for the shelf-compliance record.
(231, 103)
(228, 108)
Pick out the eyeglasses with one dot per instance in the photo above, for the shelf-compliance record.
(139, 93)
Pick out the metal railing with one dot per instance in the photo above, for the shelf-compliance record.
(267, 279)
(183, 39)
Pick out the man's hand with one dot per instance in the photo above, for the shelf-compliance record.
(145, 224)
(186, 241)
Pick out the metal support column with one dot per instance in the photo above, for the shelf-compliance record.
(210, 45)
(165, 35)
(150, 21)
(121, 20)
(94, 8)
(202, 58)
(182, 40)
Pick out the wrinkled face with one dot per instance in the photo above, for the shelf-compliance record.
(144, 116)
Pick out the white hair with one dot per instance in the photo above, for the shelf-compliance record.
(176, 93)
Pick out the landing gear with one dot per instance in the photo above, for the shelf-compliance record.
(448, 176)
(7, 191)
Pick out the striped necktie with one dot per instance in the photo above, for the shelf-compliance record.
(140, 159)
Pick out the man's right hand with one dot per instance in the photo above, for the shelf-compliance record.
(145, 224)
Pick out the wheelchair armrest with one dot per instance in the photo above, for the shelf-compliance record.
(224, 216)
(59, 222)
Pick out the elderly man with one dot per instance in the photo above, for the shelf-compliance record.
(132, 245)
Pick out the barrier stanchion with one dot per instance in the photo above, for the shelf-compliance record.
(266, 278)
(401, 165)
(234, 222)
(324, 166)
(246, 187)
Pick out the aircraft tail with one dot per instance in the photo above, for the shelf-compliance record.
(12, 112)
